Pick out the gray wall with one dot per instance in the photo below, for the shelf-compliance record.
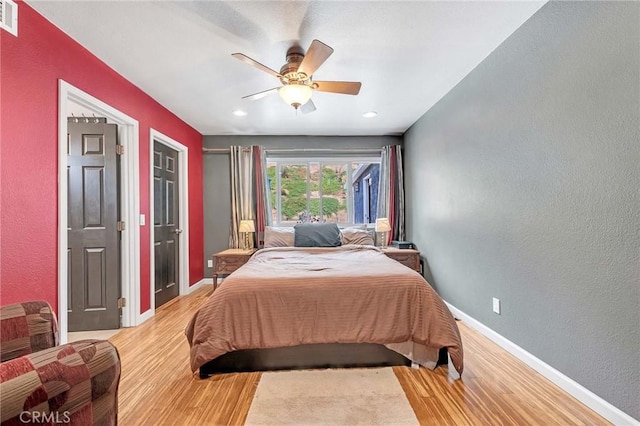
(522, 184)
(217, 181)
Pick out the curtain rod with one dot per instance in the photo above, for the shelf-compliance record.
(216, 150)
(273, 150)
(323, 149)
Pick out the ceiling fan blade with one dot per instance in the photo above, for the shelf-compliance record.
(316, 55)
(247, 60)
(261, 95)
(344, 87)
(308, 107)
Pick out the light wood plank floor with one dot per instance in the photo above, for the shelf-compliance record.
(157, 386)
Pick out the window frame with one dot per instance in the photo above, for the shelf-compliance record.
(322, 161)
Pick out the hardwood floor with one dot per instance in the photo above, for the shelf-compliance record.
(496, 388)
(157, 386)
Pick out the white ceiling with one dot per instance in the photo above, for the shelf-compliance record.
(407, 55)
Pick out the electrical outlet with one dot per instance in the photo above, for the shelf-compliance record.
(210, 263)
(496, 306)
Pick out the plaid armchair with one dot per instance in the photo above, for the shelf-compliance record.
(43, 383)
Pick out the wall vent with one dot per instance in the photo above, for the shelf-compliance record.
(9, 16)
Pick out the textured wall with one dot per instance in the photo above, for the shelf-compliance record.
(31, 65)
(217, 180)
(522, 184)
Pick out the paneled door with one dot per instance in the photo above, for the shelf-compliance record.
(93, 250)
(166, 223)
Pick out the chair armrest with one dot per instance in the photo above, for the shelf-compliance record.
(26, 328)
(75, 383)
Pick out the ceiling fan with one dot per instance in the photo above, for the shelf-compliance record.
(296, 77)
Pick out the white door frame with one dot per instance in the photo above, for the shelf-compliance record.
(366, 211)
(128, 134)
(183, 211)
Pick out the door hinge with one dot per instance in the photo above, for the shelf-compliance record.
(120, 149)
(122, 302)
(120, 226)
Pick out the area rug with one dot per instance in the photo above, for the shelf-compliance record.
(368, 396)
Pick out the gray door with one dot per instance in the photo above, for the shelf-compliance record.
(166, 223)
(93, 251)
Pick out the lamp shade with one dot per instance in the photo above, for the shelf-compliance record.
(295, 94)
(383, 225)
(246, 226)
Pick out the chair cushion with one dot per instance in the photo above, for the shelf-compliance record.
(76, 383)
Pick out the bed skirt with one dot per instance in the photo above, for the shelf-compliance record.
(310, 356)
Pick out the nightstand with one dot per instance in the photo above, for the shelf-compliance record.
(408, 257)
(227, 261)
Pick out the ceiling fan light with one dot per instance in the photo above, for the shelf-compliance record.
(295, 94)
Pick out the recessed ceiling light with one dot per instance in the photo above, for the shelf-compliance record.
(239, 113)
(369, 114)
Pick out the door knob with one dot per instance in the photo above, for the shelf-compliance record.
(177, 231)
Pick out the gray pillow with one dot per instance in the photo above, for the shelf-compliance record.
(317, 235)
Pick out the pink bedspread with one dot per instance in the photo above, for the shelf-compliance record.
(350, 294)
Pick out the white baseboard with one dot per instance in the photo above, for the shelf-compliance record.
(199, 284)
(145, 316)
(573, 388)
(151, 312)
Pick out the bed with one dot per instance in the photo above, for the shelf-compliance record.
(325, 306)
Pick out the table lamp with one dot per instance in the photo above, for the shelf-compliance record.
(383, 226)
(246, 226)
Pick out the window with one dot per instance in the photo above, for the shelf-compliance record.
(323, 190)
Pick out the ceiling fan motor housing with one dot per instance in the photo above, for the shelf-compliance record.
(289, 71)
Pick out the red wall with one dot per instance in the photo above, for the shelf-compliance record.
(31, 65)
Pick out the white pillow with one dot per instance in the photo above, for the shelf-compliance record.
(278, 237)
